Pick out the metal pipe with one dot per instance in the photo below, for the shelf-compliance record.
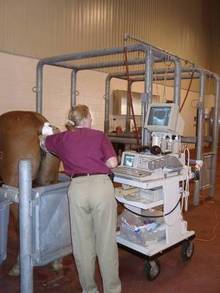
(73, 87)
(39, 87)
(159, 78)
(199, 133)
(147, 94)
(156, 49)
(107, 103)
(192, 139)
(185, 76)
(148, 75)
(188, 139)
(90, 54)
(215, 137)
(25, 225)
(128, 110)
(155, 71)
(89, 66)
(177, 83)
(132, 140)
(135, 61)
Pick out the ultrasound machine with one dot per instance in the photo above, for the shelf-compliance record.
(153, 186)
(166, 125)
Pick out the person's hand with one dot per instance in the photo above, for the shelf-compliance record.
(55, 129)
(49, 129)
(42, 142)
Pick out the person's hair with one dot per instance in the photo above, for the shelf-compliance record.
(76, 115)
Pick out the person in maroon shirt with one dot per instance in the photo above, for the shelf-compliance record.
(88, 157)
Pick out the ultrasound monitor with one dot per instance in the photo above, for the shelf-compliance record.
(128, 160)
(163, 118)
(159, 116)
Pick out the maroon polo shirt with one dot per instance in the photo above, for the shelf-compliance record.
(83, 150)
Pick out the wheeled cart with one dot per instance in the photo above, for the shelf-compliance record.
(152, 221)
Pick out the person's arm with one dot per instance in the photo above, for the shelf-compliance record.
(112, 162)
(109, 153)
(46, 131)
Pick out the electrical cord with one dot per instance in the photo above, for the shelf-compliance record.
(159, 216)
(187, 92)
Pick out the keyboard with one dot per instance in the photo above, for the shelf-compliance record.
(130, 172)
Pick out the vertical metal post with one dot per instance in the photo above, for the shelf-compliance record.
(199, 133)
(107, 103)
(215, 138)
(25, 189)
(73, 87)
(147, 90)
(39, 87)
(177, 82)
(128, 110)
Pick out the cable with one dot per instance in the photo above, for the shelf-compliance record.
(161, 216)
(187, 92)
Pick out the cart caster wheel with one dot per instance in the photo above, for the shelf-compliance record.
(152, 269)
(187, 250)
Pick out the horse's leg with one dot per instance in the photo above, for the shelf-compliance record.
(15, 270)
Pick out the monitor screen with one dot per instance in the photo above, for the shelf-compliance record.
(128, 160)
(159, 116)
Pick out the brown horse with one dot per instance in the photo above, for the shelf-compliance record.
(19, 139)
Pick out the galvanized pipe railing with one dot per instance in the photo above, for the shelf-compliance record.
(215, 136)
(177, 83)
(199, 133)
(160, 78)
(91, 54)
(152, 55)
(25, 225)
(73, 90)
(148, 87)
(107, 103)
(75, 56)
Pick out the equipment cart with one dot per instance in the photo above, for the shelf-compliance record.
(152, 220)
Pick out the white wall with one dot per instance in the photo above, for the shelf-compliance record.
(18, 77)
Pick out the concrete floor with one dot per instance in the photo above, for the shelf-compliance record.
(200, 274)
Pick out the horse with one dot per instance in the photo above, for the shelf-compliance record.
(19, 139)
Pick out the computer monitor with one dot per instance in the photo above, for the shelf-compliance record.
(164, 118)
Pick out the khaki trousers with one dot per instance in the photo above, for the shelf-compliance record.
(93, 214)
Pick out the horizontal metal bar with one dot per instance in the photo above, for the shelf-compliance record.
(92, 54)
(134, 61)
(155, 71)
(156, 78)
(132, 140)
(192, 139)
(207, 154)
(122, 139)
